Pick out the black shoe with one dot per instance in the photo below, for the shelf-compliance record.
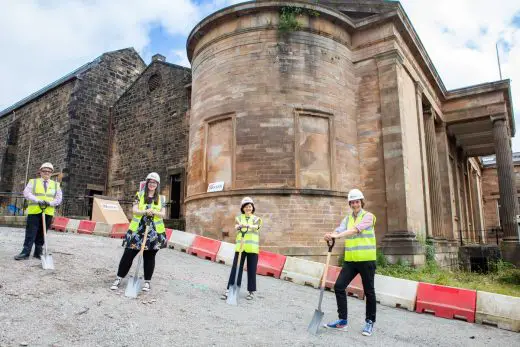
(38, 252)
(21, 256)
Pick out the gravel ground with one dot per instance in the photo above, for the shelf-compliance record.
(72, 306)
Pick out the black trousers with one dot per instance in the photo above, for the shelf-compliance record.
(367, 270)
(128, 257)
(34, 233)
(252, 262)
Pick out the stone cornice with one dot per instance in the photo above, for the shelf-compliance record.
(268, 191)
(255, 6)
(393, 56)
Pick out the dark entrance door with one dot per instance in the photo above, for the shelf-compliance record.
(90, 200)
(175, 196)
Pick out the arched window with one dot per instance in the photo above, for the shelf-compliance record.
(154, 82)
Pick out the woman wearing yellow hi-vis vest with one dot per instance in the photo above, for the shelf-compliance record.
(149, 204)
(360, 258)
(249, 225)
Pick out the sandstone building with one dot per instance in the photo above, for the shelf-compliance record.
(349, 99)
(345, 98)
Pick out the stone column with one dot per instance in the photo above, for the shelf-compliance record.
(424, 161)
(507, 188)
(399, 242)
(434, 175)
(443, 150)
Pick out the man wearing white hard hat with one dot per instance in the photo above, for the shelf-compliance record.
(149, 206)
(360, 258)
(43, 195)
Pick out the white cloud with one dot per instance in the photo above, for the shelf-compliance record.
(446, 27)
(180, 57)
(41, 40)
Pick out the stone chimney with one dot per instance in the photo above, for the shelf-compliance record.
(158, 57)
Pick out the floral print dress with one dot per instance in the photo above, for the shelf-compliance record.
(155, 240)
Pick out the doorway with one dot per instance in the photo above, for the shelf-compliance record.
(175, 196)
(90, 200)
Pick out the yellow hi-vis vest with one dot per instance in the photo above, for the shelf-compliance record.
(362, 246)
(252, 236)
(40, 194)
(159, 224)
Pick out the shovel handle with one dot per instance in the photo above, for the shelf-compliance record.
(145, 237)
(324, 279)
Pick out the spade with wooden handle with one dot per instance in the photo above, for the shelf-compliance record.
(315, 323)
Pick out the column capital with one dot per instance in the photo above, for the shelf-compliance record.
(419, 89)
(496, 117)
(430, 111)
(393, 56)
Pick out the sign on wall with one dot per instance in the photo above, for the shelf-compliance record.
(216, 187)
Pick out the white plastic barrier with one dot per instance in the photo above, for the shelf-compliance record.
(180, 240)
(102, 229)
(396, 292)
(304, 272)
(72, 226)
(226, 253)
(500, 310)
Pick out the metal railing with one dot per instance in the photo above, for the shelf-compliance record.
(14, 204)
(80, 206)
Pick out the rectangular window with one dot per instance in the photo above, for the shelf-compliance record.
(220, 151)
(313, 150)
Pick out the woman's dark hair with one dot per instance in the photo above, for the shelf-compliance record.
(362, 203)
(244, 205)
(155, 194)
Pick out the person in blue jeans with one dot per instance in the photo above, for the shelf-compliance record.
(360, 258)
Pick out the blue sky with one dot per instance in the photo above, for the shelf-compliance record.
(48, 39)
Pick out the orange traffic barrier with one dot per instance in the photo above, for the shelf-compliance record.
(204, 248)
(59, 223)
(270, 264)
(119, 230)
(446, 302)
(86, 227)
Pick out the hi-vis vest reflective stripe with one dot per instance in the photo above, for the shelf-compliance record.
(251, 237)
(362, 246)
(40, 194)
(159, 224)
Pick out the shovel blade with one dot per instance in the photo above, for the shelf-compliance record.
(232, 298)
(47, 262)
(133, 287)
(315, 323)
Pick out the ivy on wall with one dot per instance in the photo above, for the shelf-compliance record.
(289, 17)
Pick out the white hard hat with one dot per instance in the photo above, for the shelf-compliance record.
(47, 165)
(355, 194)
(154, 176)
(247, 200)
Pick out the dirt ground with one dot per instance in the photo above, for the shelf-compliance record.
(73, 306)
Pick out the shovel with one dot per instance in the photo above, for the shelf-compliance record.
(46, 258)
(234, 290)
(133, 286)
(315, 323)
